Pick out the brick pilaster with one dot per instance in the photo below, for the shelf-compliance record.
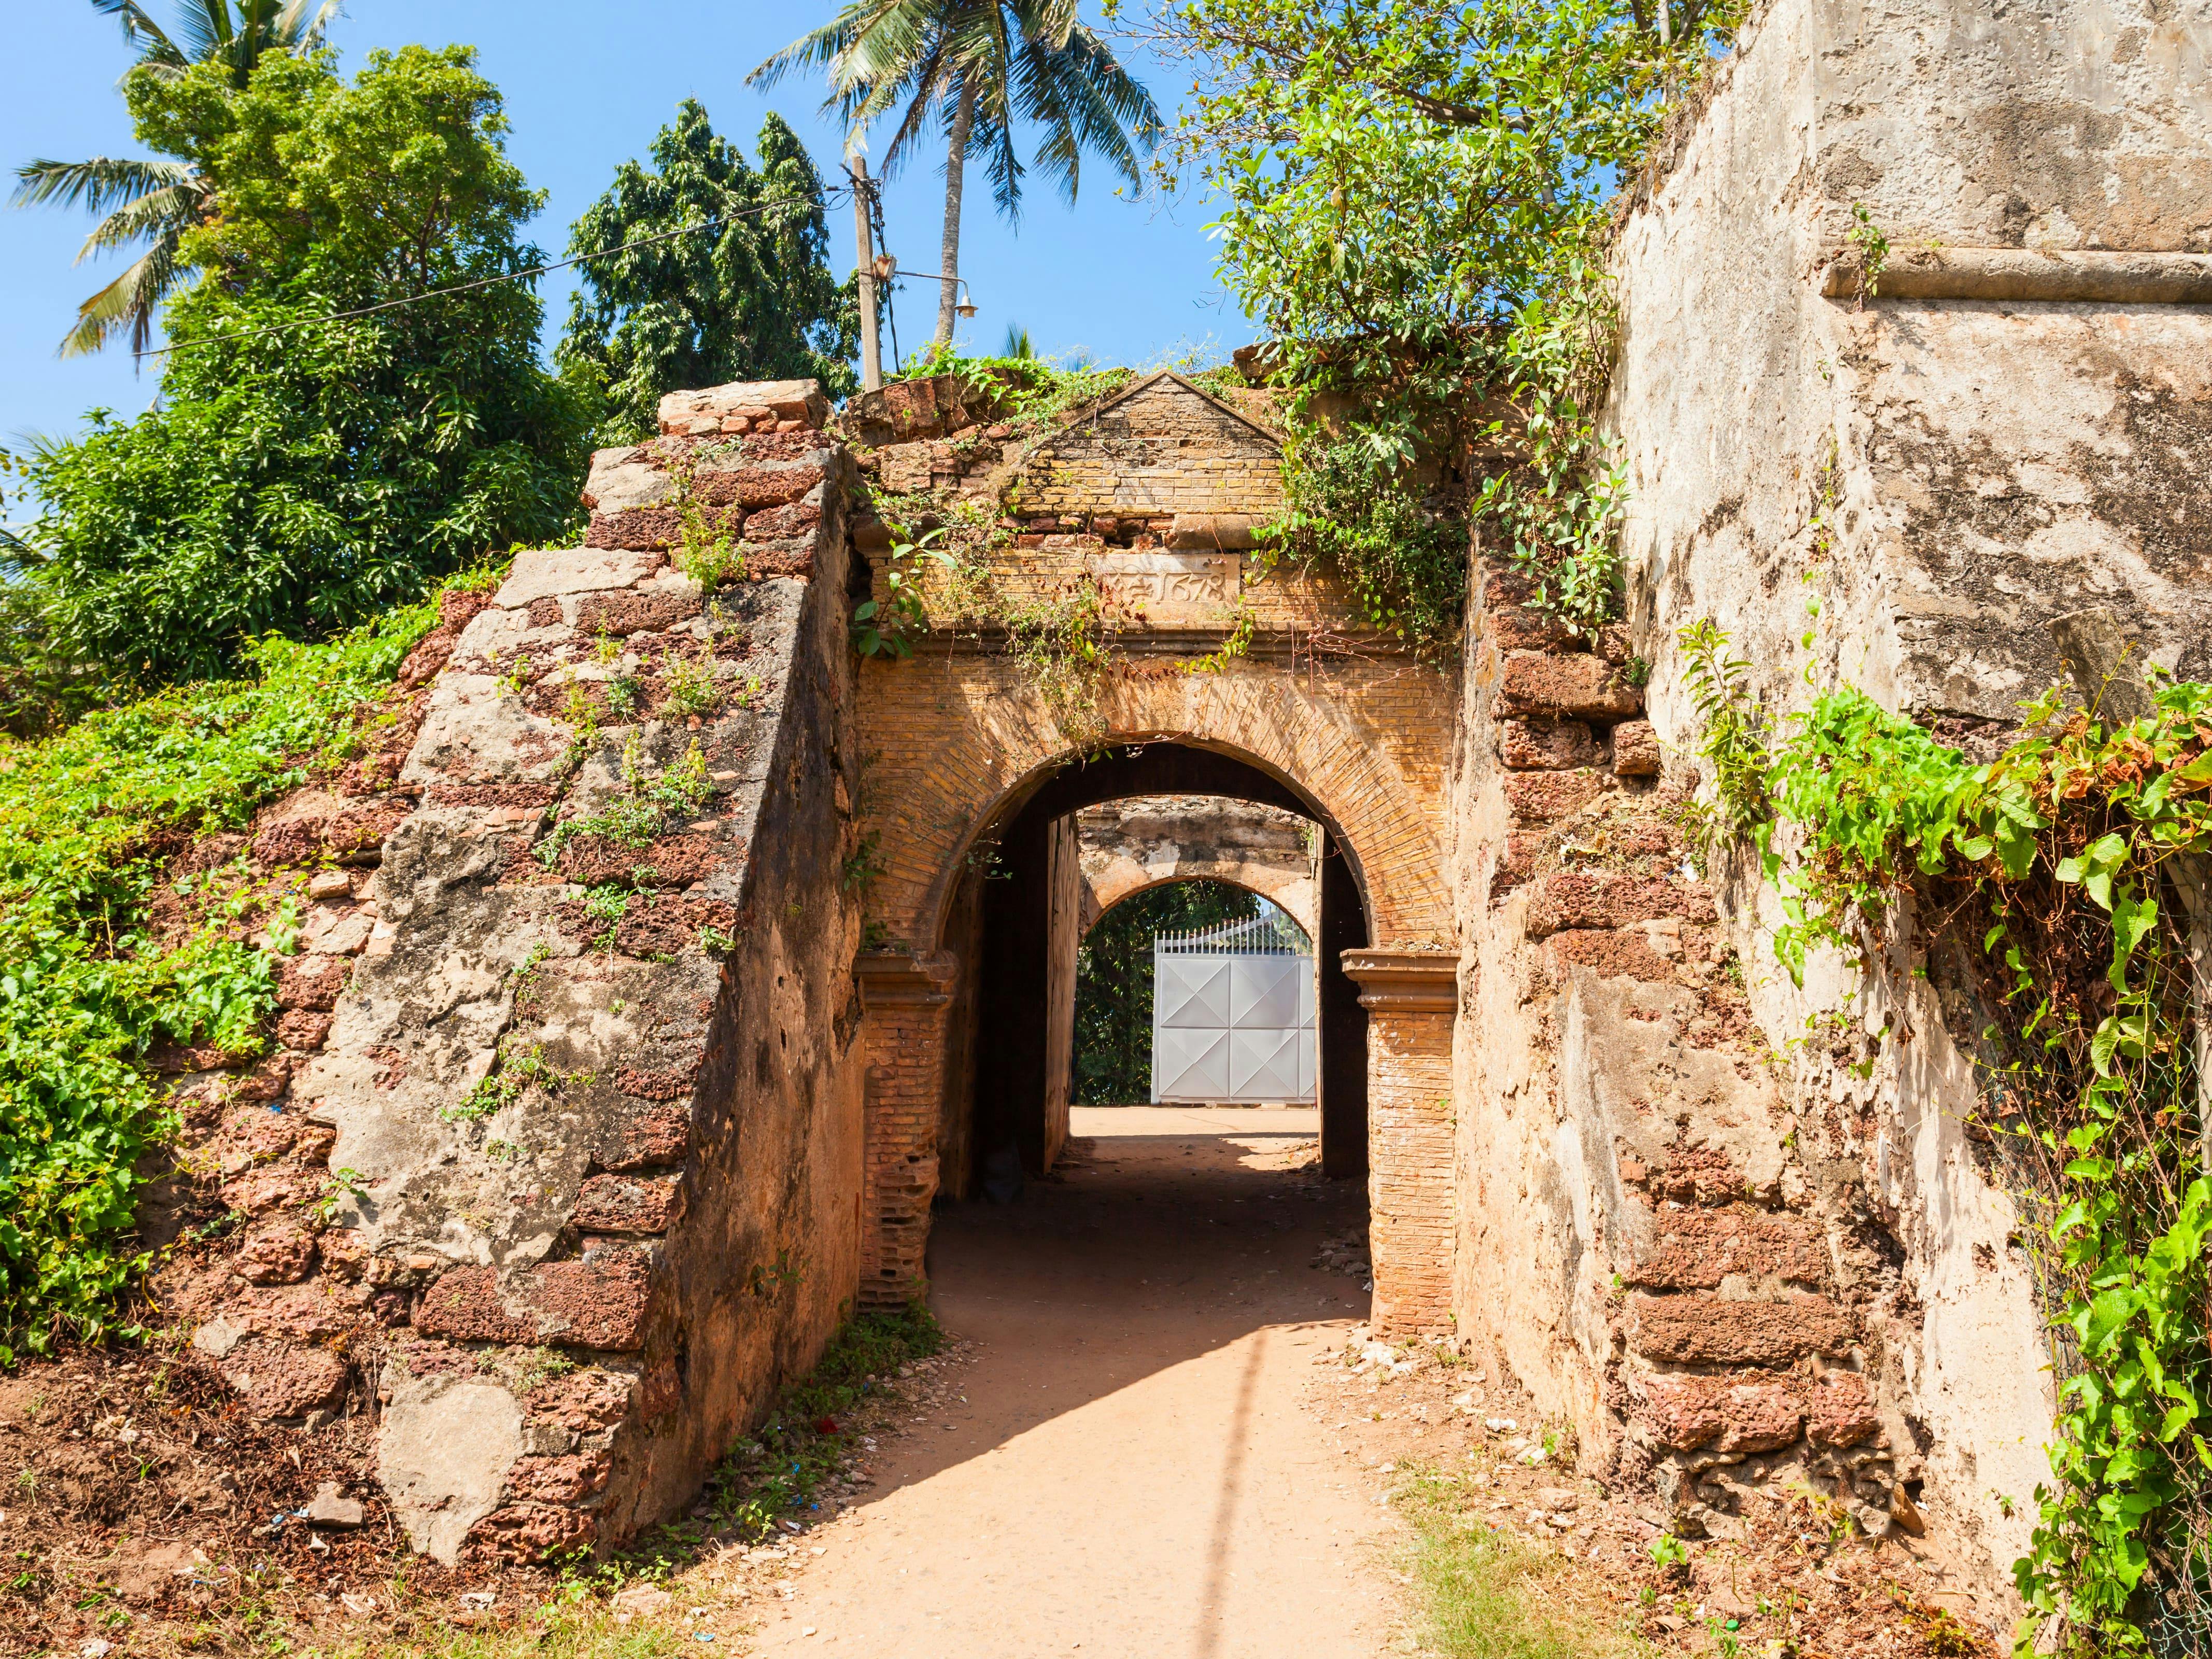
(904, 1000)
(1411, 998)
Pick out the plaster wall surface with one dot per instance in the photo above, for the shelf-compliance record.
(1898, 493)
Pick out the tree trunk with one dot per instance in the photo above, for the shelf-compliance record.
(955, 163)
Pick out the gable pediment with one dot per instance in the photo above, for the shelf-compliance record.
(1158, 448)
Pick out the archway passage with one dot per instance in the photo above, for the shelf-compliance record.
(1121, 1004)
(1016, 914)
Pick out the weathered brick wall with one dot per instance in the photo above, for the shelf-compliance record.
(1640, 1242)
(1148, 453)
(1410, 1007)
(949, 734)
(1064, 928)
(1820, 1274)
(535, 1078)
(906, 999)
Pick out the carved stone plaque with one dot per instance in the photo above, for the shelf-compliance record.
(1170, 590)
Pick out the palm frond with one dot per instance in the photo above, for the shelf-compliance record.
(130, 300)
(1085, 101)
(164, 215)
(98, 186)
(204, 29)
(303, 22)
(1032, 61)
(140, 30)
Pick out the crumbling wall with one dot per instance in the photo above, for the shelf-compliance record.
(1765, 1245)
(587, 1099)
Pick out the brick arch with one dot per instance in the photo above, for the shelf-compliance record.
(958, 743)
(1259, 881)
(1358, 746)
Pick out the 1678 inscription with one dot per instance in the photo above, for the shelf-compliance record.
(1170, 589)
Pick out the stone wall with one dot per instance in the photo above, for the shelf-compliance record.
(586, 1095)
(1736, 1231)
(1640, 1241)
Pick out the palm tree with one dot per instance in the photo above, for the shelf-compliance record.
(970, 69)
(156, 202)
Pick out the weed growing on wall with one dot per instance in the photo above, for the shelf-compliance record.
(2076, 870)
(884, 627)
(87, 819)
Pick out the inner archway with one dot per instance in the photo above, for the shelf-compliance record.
(1012, 919)
(1117, 993)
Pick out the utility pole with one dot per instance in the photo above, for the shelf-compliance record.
(872, 356)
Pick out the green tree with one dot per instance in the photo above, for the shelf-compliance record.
(970, 69)
(152, 204)
(299, 476)
(1113, 983)
(752, 300)
(1415, 195)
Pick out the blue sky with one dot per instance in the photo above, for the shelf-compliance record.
(586, 87)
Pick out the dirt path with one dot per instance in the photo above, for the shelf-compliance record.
(1133, 1471)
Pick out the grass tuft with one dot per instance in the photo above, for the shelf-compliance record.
(1485, 1593)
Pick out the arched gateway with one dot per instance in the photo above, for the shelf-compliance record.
(1144, 505)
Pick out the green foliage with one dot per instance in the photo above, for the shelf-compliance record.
(706, 551)
(1733, 740)
(1026, 390)
(303, 479)
(1871, 243)
(1890, 797)
(882, 628)
(691, 688)
(2076, 864)
(1113, 983)
(84, 989)
(650, 803)
(753, 299)
(1414, 208)
(1058, 639)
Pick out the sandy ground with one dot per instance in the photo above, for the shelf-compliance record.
(1133, 1471)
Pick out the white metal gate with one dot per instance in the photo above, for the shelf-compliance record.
(1233, 1014)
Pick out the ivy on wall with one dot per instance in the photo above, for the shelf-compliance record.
(2073, 875)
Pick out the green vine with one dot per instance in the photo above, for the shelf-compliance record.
(883, 626)
(2071, 875)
